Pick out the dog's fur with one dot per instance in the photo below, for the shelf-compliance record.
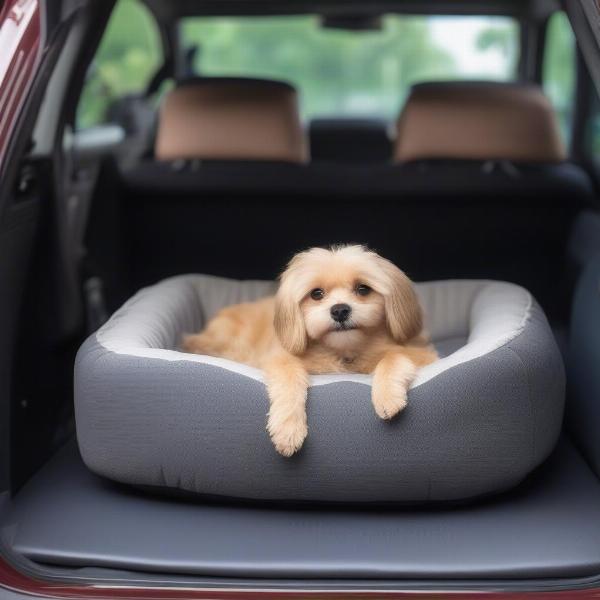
(293, 335)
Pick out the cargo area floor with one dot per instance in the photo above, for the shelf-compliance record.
(547, 527)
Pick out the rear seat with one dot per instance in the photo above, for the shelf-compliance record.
(497, 149)
(502, 212)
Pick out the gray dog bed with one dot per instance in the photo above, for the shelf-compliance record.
(478, 420)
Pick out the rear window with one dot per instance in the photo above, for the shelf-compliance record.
(353, 73)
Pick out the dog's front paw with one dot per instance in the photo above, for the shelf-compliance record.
(287, 435)
(391, 380)
(388, 400)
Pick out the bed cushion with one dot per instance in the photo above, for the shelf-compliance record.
(478, 420)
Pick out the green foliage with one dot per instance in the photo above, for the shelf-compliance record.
(127, 57)
(500, 38)
(559, 68)
(336, 71)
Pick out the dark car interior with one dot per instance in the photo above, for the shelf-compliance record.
(94, 213)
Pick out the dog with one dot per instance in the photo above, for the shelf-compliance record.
(337, 310)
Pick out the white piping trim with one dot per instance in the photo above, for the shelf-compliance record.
(472, 350)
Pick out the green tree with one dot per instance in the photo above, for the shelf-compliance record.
(127, 57)
(559, 68)
(502, 38)
(337, 71)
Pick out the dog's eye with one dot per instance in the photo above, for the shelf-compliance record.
(363, 290)
(317, 294)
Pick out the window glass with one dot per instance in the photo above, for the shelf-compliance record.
(353, 73)
(559, 73)
(592, 141)
(128, 56)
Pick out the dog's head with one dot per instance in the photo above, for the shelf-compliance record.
(339, 296)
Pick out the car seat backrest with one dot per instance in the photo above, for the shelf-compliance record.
(357, 141)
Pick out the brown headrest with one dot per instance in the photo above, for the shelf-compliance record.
(478, 121)
(230, 119)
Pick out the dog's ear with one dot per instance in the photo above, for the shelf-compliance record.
(289, 323)
(403, 310)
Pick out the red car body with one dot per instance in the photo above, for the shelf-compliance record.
(20, 40)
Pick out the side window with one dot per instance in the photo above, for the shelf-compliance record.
(592, 134)
(128, 56)
(559, 69)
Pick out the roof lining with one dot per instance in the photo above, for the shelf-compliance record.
(528, 9)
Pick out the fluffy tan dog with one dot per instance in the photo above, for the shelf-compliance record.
(341, 310)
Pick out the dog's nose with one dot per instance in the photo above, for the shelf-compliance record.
(340, 312)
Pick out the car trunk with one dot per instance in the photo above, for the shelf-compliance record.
(539, 228)
(70, 522)
(548, 527)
